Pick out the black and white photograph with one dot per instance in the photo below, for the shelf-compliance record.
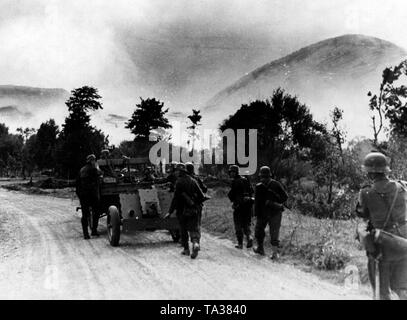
(203, 151)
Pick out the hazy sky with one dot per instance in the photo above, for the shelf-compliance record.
(181, 51)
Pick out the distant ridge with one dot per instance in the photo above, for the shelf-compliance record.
(334, 72)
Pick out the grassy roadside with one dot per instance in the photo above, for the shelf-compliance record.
(321, 246)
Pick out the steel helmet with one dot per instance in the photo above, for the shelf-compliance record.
(376, 162)
(265, 171)
(234, 168)
(90, 157)
(181, 167)
(189, 167)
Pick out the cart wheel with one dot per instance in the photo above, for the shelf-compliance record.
(113, 226)
(175, 235)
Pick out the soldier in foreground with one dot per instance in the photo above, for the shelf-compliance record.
(268, 207)
(187, 201)
(240, 195)
(383, 203)
(87, 189)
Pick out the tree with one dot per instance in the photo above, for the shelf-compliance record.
(195, 119)
(390, 103)
(29, 152)
(285, 127)
(78, 138)
(11, 146)
(149, 115)
(45, 145)
(27, 159)
(338, 133)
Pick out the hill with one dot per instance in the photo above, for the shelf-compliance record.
(334, 72)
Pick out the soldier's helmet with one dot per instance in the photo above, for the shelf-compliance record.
(180, 167)
(234, 168)
(189, 167)
(90, 157)
(265, 171)
(376, 162)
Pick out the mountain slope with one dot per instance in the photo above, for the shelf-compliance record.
(334, 72)
(20, 103)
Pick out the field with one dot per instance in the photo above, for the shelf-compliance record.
(321, 246)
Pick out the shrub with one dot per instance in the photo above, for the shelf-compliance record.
(315, 203)
(325, 255)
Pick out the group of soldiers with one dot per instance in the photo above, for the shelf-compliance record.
(383, 203)
(190, 193)
(268, 200)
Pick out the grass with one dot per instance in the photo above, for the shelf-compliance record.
(302, 238)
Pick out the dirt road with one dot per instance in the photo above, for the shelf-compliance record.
(43, 256)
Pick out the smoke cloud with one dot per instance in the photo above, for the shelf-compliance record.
(182, 52)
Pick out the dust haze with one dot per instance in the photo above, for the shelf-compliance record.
(181, 52)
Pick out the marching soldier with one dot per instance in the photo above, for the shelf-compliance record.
(191, 171)
(268, 207)
(240, 195)
(87, 189)
(383, 203)
(187, 201)
(172, 178)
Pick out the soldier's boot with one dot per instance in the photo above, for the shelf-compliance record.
(259, 249)
(95, 233)
(274, 255)
(195, 249)
(239, 242)
(85, 233)
(249, 243)
(186, 251)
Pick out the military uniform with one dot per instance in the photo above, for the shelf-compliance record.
(240, 194)
(186, 186)
(204, 189)
(268, 209)
(172, 179)
(374, 203)
(87, 189)
(107, 169)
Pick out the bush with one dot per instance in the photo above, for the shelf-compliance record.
(325, 255)
(315, 203)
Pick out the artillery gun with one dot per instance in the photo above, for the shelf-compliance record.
(133, 202)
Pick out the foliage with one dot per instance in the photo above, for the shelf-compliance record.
(45, 144)
(325, 255)
(195, 119)
(390, 102)
(78, 138)
(149, 115)
(10, 151)
(285, 127)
